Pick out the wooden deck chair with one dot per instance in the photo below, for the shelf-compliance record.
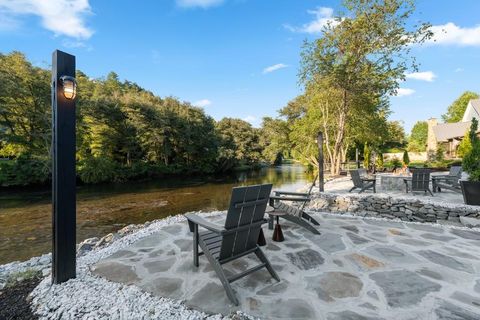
(237, 238)
(361, 182)
(450, 181)
(295, 214)
(420, 181)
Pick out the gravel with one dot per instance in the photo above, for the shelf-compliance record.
(92, 297)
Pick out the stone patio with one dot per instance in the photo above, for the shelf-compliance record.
(356, 269)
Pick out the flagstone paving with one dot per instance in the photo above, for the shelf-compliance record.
(356, 269)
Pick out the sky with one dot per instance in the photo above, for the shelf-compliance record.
(234, 58)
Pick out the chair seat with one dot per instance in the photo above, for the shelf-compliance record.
(288, 209)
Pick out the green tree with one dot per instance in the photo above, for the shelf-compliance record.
(238, 143)
(123, 131)
(471, 161)
(367, 156)
(417, 141)
(456, 110)
(406, 158)
(274, 140)
(361, 56)
(395, 137)
(465, 146)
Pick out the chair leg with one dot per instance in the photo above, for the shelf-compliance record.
(259, 253)
(308, 217)
(301, 223)
(270, 223)
(430, 192)
(195, 245)
(223, 279)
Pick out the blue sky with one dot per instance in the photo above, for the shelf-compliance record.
(236, 58)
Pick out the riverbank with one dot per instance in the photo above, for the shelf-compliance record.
(25, 217)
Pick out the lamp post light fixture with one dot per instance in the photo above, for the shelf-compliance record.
(321, 168)
(64, 90)
(69, 85)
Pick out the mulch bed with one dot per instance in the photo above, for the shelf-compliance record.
(13, 300)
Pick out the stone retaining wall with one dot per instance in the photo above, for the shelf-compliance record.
(385, 206)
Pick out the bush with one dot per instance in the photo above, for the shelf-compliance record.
(465, 146)
(379, 161)
(406, 158)
(471, 161)
(396, 163)
(367, 154)
(24, 170)
(97, 170)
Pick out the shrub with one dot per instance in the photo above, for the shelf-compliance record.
(367, 154)
(97, 170)
(24, 170)
(465, 146)
(406, 158)
(471, 161)
(379, 161)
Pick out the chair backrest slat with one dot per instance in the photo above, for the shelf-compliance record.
(356, 178)
(455, 171)
(247, 205)
(420, 179)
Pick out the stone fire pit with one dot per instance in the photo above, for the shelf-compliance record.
(392, 182)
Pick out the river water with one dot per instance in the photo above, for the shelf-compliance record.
(25, 217)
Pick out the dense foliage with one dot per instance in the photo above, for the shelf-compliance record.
(471, 161)
(123, 131)
(456, 110)
(348, 74)
(417, 141)
(406, 158)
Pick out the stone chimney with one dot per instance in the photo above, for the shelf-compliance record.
(431, 139)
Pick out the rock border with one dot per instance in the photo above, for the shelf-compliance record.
(392, 207)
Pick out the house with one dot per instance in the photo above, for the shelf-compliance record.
(449, 135)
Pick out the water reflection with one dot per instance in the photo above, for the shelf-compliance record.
(25, 218)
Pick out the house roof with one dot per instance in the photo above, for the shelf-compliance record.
(447, 131)
(476, 105)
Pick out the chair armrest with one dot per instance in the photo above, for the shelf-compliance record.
(194, 219)
(289, 198)
(302, 194)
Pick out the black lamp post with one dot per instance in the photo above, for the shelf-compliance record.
(63, 167)
(321, 177)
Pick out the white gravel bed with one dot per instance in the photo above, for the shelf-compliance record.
(92, 297)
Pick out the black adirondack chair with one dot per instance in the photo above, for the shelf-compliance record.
(420, 181)
(450, 181)
(360, 181)
(295, 214)
(237, 238)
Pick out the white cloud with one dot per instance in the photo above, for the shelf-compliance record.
(323, 17)
(459, 70)
(202, 103)
(275, 67)
(63, 17)
(403, 92)
(198, 3)
(252, 120)
(451, 34)
(422, 76)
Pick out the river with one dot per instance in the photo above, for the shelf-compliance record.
(25, 217)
